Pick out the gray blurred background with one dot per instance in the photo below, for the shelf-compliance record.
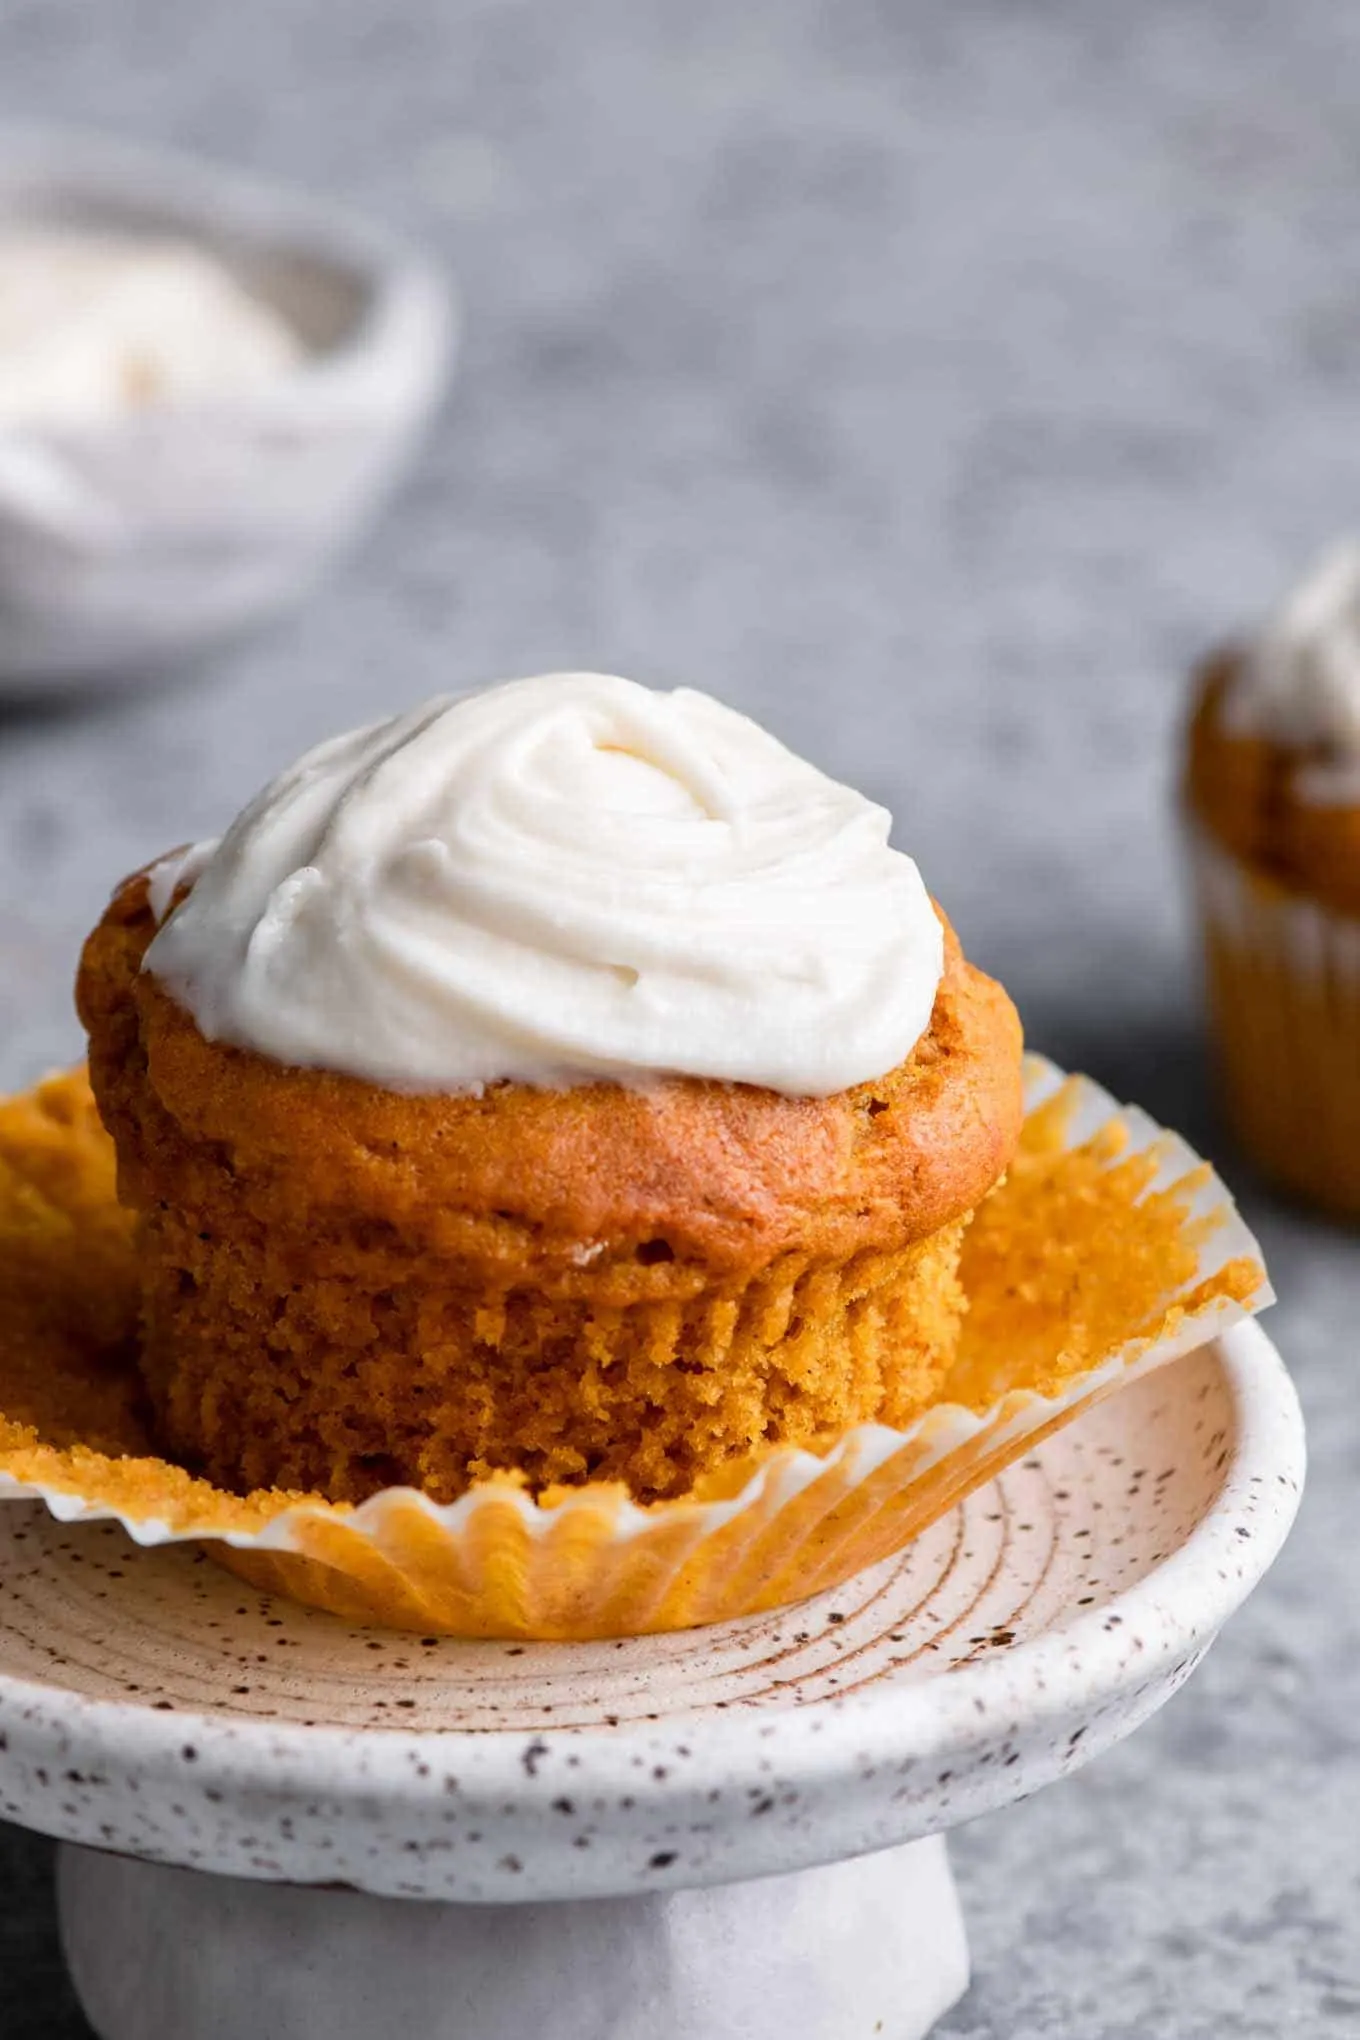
(933, 381)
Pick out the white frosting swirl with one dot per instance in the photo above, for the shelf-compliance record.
(560, 879)
(1299, 682)
(96, 326)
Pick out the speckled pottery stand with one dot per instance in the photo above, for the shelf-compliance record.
(724, 1835)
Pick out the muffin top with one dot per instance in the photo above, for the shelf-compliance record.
(565, 977)
(1273, 770)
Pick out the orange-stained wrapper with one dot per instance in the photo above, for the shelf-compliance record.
(1282, 973)
(1109, 1250)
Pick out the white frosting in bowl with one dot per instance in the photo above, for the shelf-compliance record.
(1298, 683)
(94, 327)
(558, 880)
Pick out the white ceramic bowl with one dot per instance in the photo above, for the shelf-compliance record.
(128, 546)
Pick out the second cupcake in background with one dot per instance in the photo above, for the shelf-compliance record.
(1272, 789)
(567, 1081)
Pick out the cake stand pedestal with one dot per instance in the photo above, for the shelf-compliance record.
(285, 1828)
(875, 1945)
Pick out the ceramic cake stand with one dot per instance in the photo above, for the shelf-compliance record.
(279, 1828)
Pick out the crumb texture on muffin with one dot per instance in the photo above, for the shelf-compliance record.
(347, 1288)
(278, 1361)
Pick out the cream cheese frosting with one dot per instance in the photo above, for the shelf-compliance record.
(94, 327)
(1298, 683)
(559, 880)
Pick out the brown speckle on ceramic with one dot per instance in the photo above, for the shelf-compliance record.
(150, 1705)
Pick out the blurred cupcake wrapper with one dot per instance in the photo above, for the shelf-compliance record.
(1110, 1250)
(1282, 977)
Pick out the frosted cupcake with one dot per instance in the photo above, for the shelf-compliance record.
(565, 1081)
(1273, 792)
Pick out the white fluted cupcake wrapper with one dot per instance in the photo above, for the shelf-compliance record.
(1282, 976)
(499, 1563)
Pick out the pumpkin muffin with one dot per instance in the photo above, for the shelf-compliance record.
(566, 1081)
(1272, 791)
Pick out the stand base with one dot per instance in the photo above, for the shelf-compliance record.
(870, 1947)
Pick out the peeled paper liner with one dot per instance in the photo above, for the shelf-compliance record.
(1109, 1250)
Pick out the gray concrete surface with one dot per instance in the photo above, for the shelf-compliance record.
(932, 380)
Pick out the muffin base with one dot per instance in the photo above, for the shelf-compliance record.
(311, 1364)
